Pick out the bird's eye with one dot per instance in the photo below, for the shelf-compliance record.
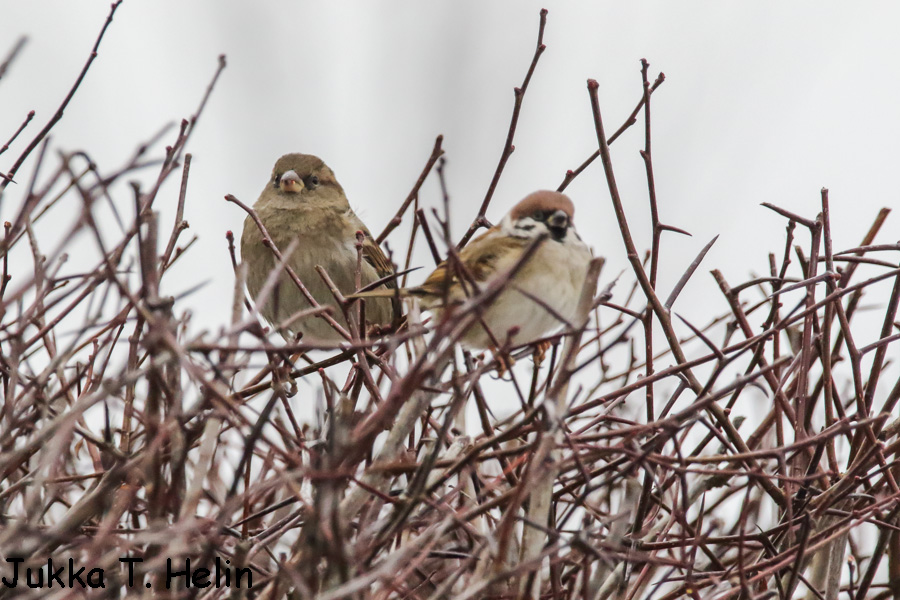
(276, 179)
(313, 181)
(538, 215)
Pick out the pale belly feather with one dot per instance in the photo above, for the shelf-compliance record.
(338, 257)
(559, 288)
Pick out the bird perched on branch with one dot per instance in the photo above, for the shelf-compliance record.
(303, 201)
(541, 293)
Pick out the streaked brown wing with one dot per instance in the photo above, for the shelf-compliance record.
(435, 282)
(373, 255)
(371, 251)
(480, 257)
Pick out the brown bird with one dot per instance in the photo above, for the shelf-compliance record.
(554, 274)
(303, 201)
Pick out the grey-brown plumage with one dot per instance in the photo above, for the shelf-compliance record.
(303, 201)
(555, 273)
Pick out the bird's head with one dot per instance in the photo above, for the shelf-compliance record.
(301, 174)
(542, 212)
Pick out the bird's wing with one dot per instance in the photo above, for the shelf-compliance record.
(372, 252)
(483, 257)
(373, 255)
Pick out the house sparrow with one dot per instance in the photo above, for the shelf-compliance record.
(303, 201)
(554, 274)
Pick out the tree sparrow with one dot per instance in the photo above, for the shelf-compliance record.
(539, 297)
(303, 201)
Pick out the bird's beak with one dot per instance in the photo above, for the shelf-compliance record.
(558, 220)
(291, 182)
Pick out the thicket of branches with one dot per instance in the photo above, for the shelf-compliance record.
(124, 434)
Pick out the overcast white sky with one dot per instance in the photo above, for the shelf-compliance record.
(763, 101)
